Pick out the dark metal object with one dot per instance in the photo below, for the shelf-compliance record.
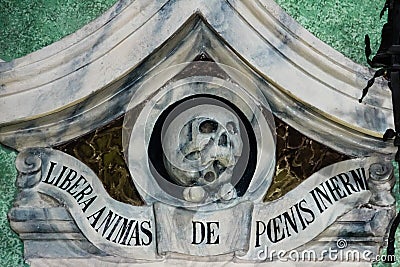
(387, 59)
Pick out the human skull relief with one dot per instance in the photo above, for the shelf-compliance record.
(201, 148)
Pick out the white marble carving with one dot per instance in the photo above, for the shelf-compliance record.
(150, 102)
(216, 233)
(90, 224)
(197, 138)
(132, 60)
(63, 90)
(201, 147)
(113, 227)
(296, 218)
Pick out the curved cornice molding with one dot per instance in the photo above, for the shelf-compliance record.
(87, 78)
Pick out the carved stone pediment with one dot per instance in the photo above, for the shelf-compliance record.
(74, 81)
(206, 118)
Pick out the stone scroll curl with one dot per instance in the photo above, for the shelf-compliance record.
(114, 227)
(303, 213)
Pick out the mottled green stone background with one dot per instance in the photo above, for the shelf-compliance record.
(28, 25)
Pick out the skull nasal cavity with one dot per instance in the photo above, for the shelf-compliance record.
(223, 140)
(208, 126)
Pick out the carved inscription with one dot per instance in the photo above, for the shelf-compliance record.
(303, 213)
(104, 220)
(205, 233)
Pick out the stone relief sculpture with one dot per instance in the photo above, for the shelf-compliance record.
(198, 141)
(201, 147)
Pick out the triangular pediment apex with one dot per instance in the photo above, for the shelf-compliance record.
(74, 80)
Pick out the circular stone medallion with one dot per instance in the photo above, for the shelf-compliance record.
(199, 141)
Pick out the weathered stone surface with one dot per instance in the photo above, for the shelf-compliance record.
(139, 50)
(226, 233)
(64, 90)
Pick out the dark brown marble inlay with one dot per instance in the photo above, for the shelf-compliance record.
(101, 150)
(297, 157)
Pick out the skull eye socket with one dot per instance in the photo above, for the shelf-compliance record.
(208, 126)
(231, 127)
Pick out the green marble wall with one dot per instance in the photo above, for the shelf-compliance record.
(33, 24)
(28, 25)
(340, 23)
(10, 246)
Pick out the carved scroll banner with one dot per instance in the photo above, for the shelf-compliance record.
(244, 228)
(203, 233)
(112, 226)
(306, 211)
